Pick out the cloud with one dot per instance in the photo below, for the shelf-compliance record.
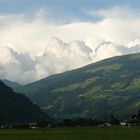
(109, 49)
(60, 56)
(115, 12)
(57, 57)
(31, 49)
(14, 66)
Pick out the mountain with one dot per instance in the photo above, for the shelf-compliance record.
(108, 87)
(11, 84)
(16, 108)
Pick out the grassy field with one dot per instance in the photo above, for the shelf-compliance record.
(104, 133)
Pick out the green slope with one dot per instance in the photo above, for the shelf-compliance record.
(16, 108)
(108, 87)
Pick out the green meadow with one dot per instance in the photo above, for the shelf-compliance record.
(91, 133)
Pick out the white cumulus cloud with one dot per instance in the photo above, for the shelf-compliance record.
(30, 49)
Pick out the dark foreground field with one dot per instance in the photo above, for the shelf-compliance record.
(104, 133)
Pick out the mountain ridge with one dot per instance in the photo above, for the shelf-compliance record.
(111, 85)
(11, 84)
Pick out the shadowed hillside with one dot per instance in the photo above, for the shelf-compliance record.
(16, 108)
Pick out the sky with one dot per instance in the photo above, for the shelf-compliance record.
(62, 10)
(39, 38)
